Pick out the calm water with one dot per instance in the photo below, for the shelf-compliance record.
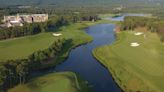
(82, 62)
(121, 18)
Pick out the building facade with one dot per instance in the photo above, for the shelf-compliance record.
(19, 20)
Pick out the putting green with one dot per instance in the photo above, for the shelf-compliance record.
(138, 68)
(55, 82)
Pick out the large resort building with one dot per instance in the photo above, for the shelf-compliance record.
(19, 20)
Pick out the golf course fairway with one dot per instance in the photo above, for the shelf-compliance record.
(55, 82)
(22, 47)
(135, 69)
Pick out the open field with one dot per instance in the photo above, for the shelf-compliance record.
(138, 68)
(55, 82)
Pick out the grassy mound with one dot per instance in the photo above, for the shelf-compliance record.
(55, 82)
(135, 69)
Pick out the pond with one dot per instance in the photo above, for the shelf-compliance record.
(122, 16)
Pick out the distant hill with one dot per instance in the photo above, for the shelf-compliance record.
(82, 2)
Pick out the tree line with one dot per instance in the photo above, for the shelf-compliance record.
(52, 23)
(32, 29)
(152, 24)
(13, 72)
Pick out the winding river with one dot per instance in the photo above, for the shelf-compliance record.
(81, 60)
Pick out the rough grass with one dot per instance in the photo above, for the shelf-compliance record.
(55, 82)
(135, 68)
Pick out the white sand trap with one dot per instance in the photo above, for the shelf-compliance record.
(55, 34)
(138, 33)
(135, 44)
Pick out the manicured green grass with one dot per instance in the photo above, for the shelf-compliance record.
(55, 82)
(64, 83)
(135, 68)
(24, 46)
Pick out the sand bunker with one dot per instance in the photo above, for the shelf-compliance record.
(135, 44)
(55, 34)
(138, 33)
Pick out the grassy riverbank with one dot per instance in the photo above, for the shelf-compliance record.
(71, 32)
(22, 47)
(135, 68)
(55, 82)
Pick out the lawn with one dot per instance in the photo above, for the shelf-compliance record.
(135, 68)
(22, 47)
(55, 82)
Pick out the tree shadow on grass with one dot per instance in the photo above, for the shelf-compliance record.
(49, 68)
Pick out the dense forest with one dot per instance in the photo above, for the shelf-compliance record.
(82, 2)
(103, 6)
